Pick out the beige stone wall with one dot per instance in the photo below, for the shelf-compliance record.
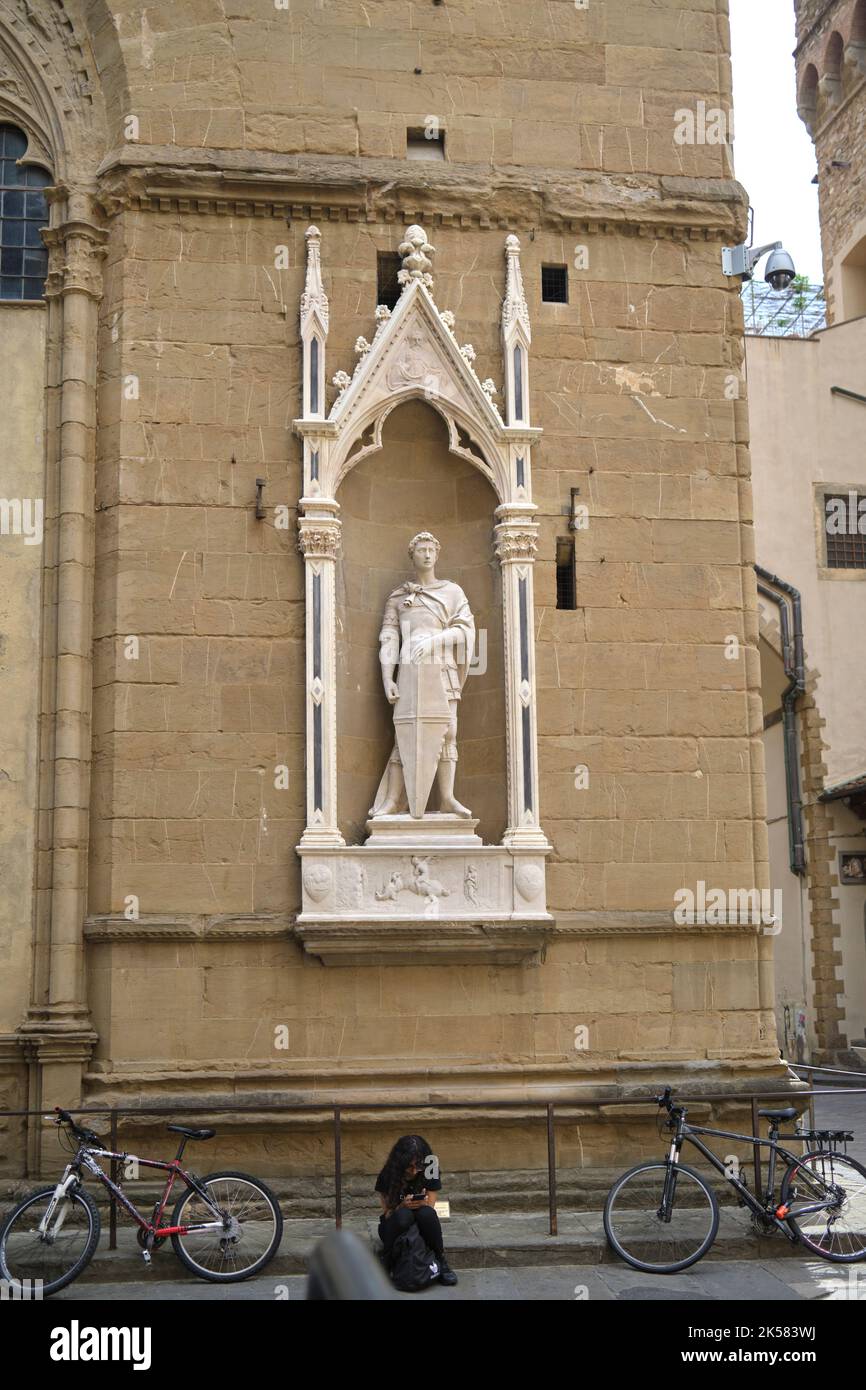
(231, 127)
(507, 85)
(22, 379)
(634, 684)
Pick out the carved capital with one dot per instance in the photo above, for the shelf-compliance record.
(319, 542)
(76, 251)
(516, 543)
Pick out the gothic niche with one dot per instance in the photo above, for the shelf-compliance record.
(411, 485)
(422, 836)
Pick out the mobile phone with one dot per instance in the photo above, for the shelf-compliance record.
(415, 1196)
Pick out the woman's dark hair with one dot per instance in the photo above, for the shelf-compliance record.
(410, 1149)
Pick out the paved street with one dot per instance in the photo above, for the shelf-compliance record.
(755, 1281)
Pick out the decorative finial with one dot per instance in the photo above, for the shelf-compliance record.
(416, 251)
(314, 299)
(514, 308)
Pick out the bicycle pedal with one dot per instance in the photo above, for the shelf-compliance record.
(145, 1255)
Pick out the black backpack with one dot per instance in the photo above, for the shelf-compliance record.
(413, 1264)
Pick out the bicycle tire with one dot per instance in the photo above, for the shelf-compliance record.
(643, 1265)
(76, 1194)
(790, 1179)
(229, 1277)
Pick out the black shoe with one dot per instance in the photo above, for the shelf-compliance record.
(446, 1273)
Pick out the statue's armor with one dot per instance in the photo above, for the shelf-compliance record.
(413, 611)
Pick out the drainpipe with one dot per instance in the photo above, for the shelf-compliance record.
(795, 670)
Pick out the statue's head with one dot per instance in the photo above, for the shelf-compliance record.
(427, 546)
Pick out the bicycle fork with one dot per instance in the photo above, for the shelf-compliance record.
(60, 1192)
(670, 1187)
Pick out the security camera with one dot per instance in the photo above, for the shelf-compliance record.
(779, 270)
(741, 261)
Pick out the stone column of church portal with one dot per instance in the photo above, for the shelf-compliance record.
(319, 541)
(76, 246)
(515, 547)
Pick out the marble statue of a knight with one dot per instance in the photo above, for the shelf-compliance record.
(427, 640)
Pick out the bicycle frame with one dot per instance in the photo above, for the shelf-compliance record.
(86, 1157)
(688, 1133)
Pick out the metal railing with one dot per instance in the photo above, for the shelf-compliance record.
(546, 1112)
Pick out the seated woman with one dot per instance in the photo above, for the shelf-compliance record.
(408, 1195)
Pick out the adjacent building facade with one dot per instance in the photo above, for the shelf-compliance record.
(211, 383)
(807, 399)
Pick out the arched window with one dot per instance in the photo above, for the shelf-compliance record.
(807, 105)
(833, 54)
(23, 212)
(858, 23)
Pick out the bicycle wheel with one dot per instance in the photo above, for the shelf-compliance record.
(840, 1232)
(39, 1264)
(250, 1236)
(636, 1231)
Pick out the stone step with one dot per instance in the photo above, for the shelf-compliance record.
(482, 1242)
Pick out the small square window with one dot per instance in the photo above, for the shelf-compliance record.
(426, 143)
(554, 284)
(846, 543)
(388, 287)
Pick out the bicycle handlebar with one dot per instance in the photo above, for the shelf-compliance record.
(665, 1099)
(84, 1136)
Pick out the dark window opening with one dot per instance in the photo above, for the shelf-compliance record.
(566, 584)
(846, 544)
(554, 284)
(427, 142)
(23, 213)
(388, 287)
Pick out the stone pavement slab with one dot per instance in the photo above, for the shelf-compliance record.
(491, 1240)
(748, 1281)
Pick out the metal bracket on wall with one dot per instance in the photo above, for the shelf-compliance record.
(852, 395)
(260, 511)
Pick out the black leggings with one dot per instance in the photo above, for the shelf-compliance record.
(390, 1227)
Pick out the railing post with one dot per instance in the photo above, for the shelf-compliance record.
(551, 1168)
(112, 1205)
(338, 1169)
(756, 1148)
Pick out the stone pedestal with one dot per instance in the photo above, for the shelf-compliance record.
(431, 832)
(422, 889)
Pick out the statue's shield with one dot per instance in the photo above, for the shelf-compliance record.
(421, 717)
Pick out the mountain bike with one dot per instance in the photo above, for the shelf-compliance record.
(225, 1227)
(661, 1217)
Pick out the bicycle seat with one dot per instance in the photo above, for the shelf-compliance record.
(789, 1113)
(192, 1133)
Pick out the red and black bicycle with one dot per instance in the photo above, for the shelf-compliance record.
(224, 1228)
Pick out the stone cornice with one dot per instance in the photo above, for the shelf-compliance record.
(183, 928)
(643, 924)
(341, 189)
(157, 929)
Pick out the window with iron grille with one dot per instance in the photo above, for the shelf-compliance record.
(846, 544)
(566, 585)
(554, 284)
(388, 287)
(23, 212)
